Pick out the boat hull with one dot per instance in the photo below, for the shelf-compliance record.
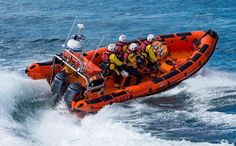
(189, 52)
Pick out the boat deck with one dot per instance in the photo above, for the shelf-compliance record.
(177, 58)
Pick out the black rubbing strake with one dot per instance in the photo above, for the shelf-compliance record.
(200, 40)
(106, 97)
(157, 80)
(167, 36)
(196, 57)
(184, 34)
(171, 74)
(186, 65)
(45, 63)
(204, 48)
(213, 34)
(118, 94)
(33, 66)
(50, 62)
(93, 101)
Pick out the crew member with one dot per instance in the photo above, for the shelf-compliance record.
(130, 58)
(150, 39)
(75, 45)
(121, 47)
(113, 63)
(152, 59)
(142, 58)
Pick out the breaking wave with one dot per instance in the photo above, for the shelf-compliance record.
(27, 119)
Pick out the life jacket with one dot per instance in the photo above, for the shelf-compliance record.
(105, 63)
(126, 55)
(105, 57)
(121, 47)
(143, 45)
(110, 62)
(142, 58)
(141, 52)
(151, 53)
(127, 61)
(120, 50)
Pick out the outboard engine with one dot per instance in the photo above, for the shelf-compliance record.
(59, 83)
(74, 92)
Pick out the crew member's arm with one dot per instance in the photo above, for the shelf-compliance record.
(115, 60)
(151, 54)
(133, 60)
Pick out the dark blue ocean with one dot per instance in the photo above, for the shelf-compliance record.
(201, 111)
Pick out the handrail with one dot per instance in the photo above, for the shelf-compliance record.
(76, 70)
(80, 61)
(79, 70)
(96, 87)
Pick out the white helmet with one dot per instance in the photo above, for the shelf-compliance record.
(150, 37)
(133, 46)
(123, 38)
(75, 45)
(111, 47)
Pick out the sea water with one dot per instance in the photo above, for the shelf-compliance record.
(201, 111)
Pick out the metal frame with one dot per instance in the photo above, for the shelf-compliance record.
(81, 67)
(76, 70)
(79, 71)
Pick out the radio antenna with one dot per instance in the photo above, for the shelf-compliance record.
(99, 45)
(68, 35)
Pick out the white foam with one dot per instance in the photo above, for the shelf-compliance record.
(100, 129)
(58, 127)
(202, 89)
(203, 84)
(12, 88)
(2, 59)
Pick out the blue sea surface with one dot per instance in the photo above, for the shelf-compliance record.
(199, 111)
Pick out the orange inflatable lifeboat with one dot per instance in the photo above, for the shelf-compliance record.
(185, 53)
